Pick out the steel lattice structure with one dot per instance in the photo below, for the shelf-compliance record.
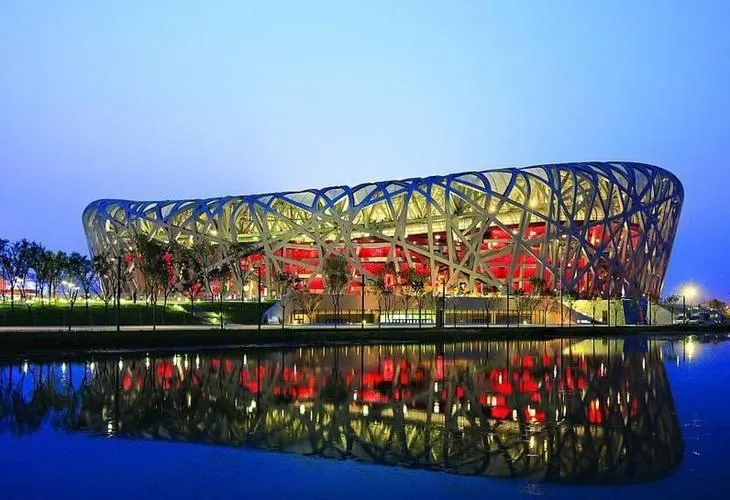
(596, 228)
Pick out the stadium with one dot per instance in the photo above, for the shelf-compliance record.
(599, 229)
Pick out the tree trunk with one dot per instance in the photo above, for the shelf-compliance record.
(154, 311)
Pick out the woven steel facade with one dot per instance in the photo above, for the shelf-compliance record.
(595, 228)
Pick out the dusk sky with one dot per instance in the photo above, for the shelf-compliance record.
(178, 99)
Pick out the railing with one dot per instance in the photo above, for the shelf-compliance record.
(426, 317)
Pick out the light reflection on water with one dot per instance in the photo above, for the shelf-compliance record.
(596, 411)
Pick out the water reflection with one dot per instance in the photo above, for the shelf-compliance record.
(590, 411)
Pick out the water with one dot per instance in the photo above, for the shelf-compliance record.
(557, 418)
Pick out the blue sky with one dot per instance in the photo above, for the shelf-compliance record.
(154, 100)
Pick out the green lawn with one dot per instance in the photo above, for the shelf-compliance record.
(59, 313)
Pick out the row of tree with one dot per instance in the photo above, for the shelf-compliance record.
(70, 274)
(160, 269)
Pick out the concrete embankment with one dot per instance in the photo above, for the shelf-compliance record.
(29, 340)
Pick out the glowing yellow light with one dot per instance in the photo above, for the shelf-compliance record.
(691, 348)
(365, 410)
(690, 292)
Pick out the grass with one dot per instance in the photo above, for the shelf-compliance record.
(59, 313)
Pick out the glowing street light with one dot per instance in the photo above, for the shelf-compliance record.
(688, 292)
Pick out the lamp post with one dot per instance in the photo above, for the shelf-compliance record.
(508, 287)
(220, 302)
(443, 301)
(258, 309)
(684, 309)
(648, 310)
(362, 300)
(690, 292)
(119, 289)
(561, 303)
(510, 273)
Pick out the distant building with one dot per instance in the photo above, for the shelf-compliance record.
(599, 228)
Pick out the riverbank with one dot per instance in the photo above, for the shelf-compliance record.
(20, 340)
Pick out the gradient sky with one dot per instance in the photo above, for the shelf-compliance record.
(157, 100)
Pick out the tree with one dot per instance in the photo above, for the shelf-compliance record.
(70, 267)
(210, 257)
(55, 269)
(189, 268)
(85, 275)
(383, 286)
(542, 296)
(168, 276)
(106, 272)
(218, 276)
(671, 302)
(490, 293)
(306, 302)
(538, 294)
(284, 283)
(570, 297)
(238, 253)
(40, 260)
(717, 305)
(14, 263)
(149, 259)
(336, 275)
(417, 287)
(4, 245)
(523, 303)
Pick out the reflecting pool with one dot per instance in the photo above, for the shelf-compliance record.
(558, 417)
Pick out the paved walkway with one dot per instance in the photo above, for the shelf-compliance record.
(233, 327)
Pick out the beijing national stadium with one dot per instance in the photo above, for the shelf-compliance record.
(598, 229)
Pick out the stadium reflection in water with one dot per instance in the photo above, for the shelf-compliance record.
(589, 411)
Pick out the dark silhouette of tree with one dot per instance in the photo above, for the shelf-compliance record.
(14, 264)
(106, 272)
(336, 274)
(149, 258)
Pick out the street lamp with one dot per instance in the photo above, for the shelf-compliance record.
(443, 278)
(362, 300)
(119, 287)
(258, 290)
(509, 285)
(689, 292)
